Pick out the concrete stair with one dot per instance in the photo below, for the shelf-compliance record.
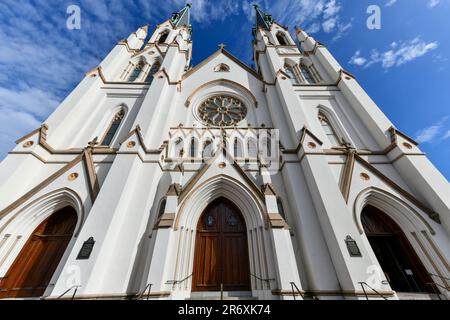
(227, 295)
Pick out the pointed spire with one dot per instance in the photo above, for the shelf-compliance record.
(263, 20)
(182, 18)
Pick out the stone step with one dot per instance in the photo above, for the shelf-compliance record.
(227, 295)
(419, 296)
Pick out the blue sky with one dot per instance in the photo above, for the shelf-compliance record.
(404, 66)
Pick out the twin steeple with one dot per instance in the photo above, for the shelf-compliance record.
(183, 18)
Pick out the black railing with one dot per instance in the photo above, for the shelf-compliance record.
(174, 282)
(147, 289)
(75, 288)
(435, 285)
(365, 292)
(267, 281)
(438, 276)
(295, 288)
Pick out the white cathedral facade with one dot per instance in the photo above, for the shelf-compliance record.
(155, 179)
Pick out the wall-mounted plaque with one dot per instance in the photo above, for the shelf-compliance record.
(352, 247)
(86, 249)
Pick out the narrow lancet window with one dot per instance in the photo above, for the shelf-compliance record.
(153, 70)
(329, 130)
(307, 75)
(290, 72)
(193, 148)
(163, 37)
(282, 39)
(113, 128)
(136, 72)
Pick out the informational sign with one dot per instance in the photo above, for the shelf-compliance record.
(86, 249)
(352, 247)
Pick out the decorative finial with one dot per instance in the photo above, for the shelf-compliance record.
(189, 5)
(222, 46)
(93, 143)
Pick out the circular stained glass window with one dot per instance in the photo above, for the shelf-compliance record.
(222, 111)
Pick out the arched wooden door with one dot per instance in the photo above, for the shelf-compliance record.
(400, 263)
(221, 250)
(33, 268)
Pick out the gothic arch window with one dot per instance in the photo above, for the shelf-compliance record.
(163, 37)
(237, 148)
(268, 146)
(252, 149)
(307, 74)
(113, 128)
(208, 151)
(281, 37)
(290, 72)
(153, 70)
(330, 132)
(137, 71)
(178, 148)
(193, 148)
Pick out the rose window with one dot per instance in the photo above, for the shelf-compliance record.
(222, 111)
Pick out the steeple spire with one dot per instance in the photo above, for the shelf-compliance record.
(263, 20)
(182, 18)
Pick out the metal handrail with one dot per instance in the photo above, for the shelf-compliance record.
(365, 293)
(294, 287)
(438, 285)
(441, 277)
(68, 290)
(148, 289)
(174, 282)
(436, 290)
(261, 279)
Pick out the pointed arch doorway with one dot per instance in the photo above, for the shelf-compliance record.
(221, 249)
(401, 265)
(36, 263)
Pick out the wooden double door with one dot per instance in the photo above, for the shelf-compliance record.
(401, 265)
(221, 250)
(35, 265)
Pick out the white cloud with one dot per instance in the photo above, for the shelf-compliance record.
(357, 59)
(331, 9)
(433, 3)
(391, 3)
(31, 100)
(398, 54)
(311, 15)
(208, 11)
(431, 133)
(329, 25)
(342, 30)
(14, 124)
(447, 135)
